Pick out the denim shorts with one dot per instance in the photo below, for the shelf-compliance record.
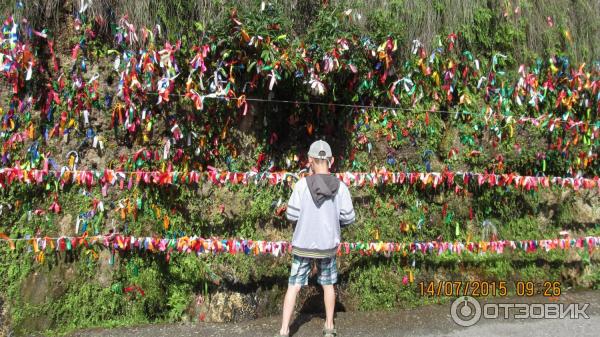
(301, 267)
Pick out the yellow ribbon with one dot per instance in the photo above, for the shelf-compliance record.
(166, 222)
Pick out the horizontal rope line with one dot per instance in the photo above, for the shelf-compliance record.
(357, 106)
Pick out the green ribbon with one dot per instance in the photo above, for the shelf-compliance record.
(449, 217)
(117, 288)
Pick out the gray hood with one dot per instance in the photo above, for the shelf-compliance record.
(322, 187)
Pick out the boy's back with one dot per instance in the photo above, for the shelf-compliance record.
(320, 204)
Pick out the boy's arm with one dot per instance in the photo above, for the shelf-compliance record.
(293, 207)
(347, 215)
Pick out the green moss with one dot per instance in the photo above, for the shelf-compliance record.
(499, 270)
(376, 287)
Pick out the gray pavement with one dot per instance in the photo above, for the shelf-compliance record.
(430, 320)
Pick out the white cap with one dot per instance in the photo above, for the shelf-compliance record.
(320, 149)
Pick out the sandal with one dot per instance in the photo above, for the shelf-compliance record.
(329, 332)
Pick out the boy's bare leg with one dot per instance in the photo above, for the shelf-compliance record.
(288, 308)
(329, 297)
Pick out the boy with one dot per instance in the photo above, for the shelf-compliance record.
(320, 204)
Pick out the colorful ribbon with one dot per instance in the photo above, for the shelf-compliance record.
(198, 245)
(448, 179)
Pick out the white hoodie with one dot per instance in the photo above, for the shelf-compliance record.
(317, 232)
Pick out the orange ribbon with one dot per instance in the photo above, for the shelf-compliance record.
(11, 244)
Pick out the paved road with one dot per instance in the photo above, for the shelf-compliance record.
(431, 320)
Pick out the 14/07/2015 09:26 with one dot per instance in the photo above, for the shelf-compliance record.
(489, 288)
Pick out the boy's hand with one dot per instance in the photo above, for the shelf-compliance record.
(281, 210)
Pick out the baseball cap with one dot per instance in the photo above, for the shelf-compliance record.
(320, 149)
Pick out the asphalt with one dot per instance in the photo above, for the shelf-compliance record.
(430, 320)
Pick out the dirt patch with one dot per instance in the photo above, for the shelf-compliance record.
(582, 204)
(66, 225)
(4, 325)
(41, 286)
(223, 307)
(35, 288)
(105, 270)
(586, 208)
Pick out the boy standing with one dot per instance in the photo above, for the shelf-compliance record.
(320, 204)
